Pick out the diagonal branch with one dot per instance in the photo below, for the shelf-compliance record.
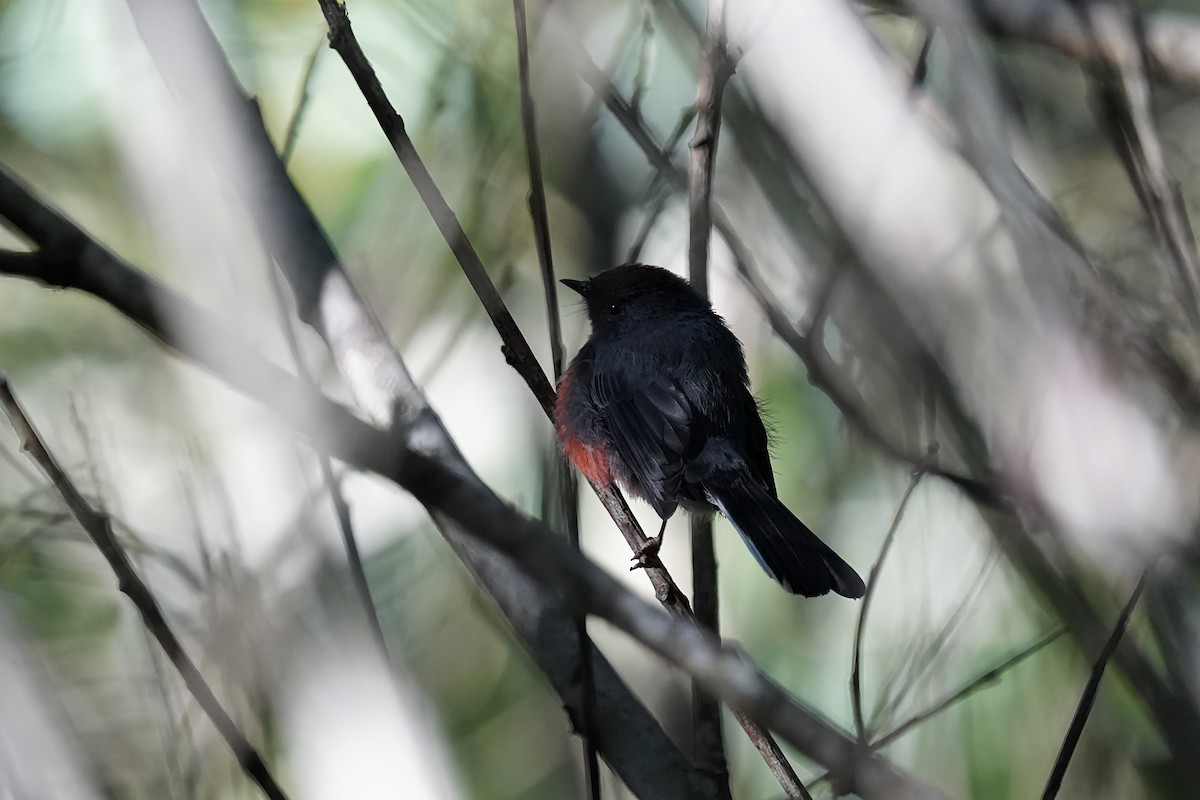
(1124, 93)
(99, 529)
(1084, 710)
(872, 585)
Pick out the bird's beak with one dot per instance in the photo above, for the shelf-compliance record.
(576, 286)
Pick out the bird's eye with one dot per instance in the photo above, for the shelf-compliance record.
(613, 310)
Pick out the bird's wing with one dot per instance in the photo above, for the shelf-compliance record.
(652, 431)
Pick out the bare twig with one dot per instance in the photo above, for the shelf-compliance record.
(1084, 709)
(569, 488)
(656, 188)
(982, 681)
(860, 727)
(708, 744)
(1172, 38)
(1124, 91)
(99, 529)
(293, 129)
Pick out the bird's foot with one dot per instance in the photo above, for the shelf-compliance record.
(648, 552)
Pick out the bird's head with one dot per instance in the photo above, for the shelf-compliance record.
(635, 299)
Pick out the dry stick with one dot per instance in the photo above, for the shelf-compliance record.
(986, 679)
(1089, 693)
(293, 129)
(99, 529)
(537, 190)
(919, 658)
(708, 745)
(656, 188)
(516, 350)
(1125, 99)
(562, 472)
(860, 727)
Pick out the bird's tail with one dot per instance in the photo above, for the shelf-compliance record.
(784, 546)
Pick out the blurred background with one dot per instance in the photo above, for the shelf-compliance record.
(226, 514)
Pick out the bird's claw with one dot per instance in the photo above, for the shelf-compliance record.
(646, 553)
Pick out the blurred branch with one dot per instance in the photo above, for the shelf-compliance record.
(564, 478)
(986, 679)
(409, 456)
(1124, 93)
(656, 187)
(302, 102)
(809, 347)
(1089, 693)
(1172, 39)
(99, 529)
(860, 727)
(983, 681)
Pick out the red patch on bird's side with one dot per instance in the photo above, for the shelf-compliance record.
(592, 461)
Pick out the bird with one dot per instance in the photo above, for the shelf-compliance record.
(658, 401)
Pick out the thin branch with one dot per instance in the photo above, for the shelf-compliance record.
(537, 190)
(516, 348)
(302, 102)
(984, 680)
(99, 529)
(656, 188)
(1125, 99)
(920, 656)
(1084, 709)
(1172, 38)
(860, 727)
(569, 493)
(708, 743)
